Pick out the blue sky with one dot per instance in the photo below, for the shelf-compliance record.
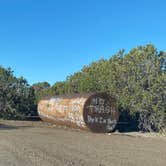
(47, 40)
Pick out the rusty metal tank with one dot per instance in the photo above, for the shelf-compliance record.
(96, 112)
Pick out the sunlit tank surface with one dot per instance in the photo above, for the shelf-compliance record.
(96, 112)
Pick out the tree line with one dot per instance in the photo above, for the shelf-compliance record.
(136, 79)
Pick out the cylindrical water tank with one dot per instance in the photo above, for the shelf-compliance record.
(97, 111)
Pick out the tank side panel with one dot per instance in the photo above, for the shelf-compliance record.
(68, 111)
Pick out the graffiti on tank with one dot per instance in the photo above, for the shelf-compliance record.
(70, 110)
(99, 105)
(100, 111)
(56, 104)
(77, 104)
(100, 120)
(74, 113)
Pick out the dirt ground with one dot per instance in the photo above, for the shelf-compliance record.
(41, 144)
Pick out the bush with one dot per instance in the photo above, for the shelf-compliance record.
(137, 80)
(16, 96)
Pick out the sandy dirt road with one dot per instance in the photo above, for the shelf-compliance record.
(40, 144)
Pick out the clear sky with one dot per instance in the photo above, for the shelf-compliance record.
(47, 40)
